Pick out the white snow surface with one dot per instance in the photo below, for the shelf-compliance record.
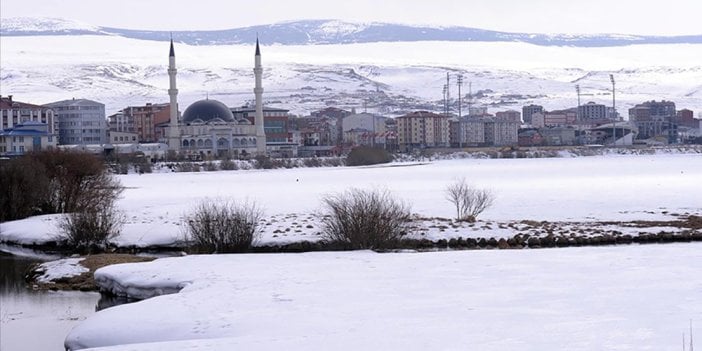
(64, 268)
(31, 231)
(581, 189)
(637, 297)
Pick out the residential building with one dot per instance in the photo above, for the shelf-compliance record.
(316, 130)
(467, 131)
(275, 122)
(422, 129)
(654, 119)
(123, 137)
(142, 120)
(26, 137)
(477, 111)
(119, 122)
(553, 118)
(530, 137)
(511, 116)
(80, 121)
(593, 112)
(364, 129)
(530, 110)
(499, 132)
(686, 118)
(338, 115)
(14, 112)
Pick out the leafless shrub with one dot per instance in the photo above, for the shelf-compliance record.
(91, 228)
(364, 219)
(468, 200)
(222, 227)
(228, 165)
(143, 166)
(186, 167)
(333, 162)
(211, 166)
(312, 162)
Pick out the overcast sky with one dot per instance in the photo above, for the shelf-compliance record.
(670, 17)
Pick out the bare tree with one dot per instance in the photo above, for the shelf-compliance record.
(364, 219)
(78, 182)
(469, 201)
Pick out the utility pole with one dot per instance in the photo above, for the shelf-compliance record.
(445, 99)
(470, 97)
(460, 115)
(448, 94)
(614, 113)
(577, 90)
(460, 83)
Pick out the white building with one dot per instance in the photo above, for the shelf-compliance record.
(209, 128)
(80, 121)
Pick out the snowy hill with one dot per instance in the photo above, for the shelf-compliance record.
(333, 32)
(386, 77)
(22, 26)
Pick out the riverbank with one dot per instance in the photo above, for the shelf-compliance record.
(75, 273)
(303, 233)
(427, 234)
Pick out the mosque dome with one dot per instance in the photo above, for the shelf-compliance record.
(207, 110)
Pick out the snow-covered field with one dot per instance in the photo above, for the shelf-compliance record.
(608, 298)
(307, 77)
(580, 189)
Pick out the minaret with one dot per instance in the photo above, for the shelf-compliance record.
(258, 90)
(173, 127)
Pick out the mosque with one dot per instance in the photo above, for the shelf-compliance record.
(209, 128)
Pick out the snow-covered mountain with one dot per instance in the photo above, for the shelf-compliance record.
(333, 32)
(386, 77)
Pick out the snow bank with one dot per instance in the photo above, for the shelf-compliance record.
(624, 298)
(65, 268)
(35, 230)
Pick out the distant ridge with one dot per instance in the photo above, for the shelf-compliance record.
(316, 32)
